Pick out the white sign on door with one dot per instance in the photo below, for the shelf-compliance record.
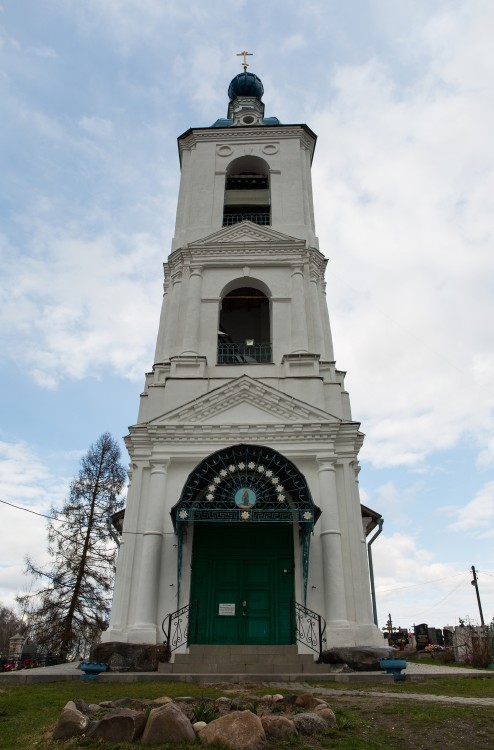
(226, 610)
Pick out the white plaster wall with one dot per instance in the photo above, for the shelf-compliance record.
(180, 377)
(206, 155)
(183, 460)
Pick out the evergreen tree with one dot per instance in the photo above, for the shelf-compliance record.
(72, 606)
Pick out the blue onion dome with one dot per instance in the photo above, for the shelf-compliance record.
(245, 84)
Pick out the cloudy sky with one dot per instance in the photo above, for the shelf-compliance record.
(400, 93)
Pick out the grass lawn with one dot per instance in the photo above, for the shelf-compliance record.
(28, 714)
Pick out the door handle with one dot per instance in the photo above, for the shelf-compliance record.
(244, 608)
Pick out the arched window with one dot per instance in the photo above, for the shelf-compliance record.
(247, 194)
(244, 334)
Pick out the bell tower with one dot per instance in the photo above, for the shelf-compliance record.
(243, 498)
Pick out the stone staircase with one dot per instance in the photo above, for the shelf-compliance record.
(258, 661)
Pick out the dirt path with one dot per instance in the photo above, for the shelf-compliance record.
(428, 698)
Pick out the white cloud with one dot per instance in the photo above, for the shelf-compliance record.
(404, 186)
(413, 586)
(44, 52)
(81, 308)
(97, 126)
(27, 483)
(476, 514)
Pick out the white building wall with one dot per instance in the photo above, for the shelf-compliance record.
(305, 415)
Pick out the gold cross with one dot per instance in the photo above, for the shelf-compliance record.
(244, 55)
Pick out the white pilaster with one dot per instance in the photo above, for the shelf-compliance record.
(146, 629)
(193, 299)
(299, 317)
(328, 341)
(172, 327)
(330, 534)
(160, 342)
(317, 326)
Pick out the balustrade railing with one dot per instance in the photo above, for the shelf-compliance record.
(308, 627)
(244, 353)
(179, 625)
(256, 218)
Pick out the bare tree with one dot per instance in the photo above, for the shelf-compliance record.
(10, 624)
(72, 606)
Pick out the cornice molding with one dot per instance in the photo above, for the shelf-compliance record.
(242, 135)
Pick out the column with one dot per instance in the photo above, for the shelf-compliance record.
(333, 574)
(160, 350)
(328, 341)
(173, 311)
(299, 317)
(192, 316)
(121, 592)
(318, 347)
(358, 545)
(148, 580)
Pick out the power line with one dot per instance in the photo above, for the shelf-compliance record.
(60, 520)
(35, 513)
(424, 583)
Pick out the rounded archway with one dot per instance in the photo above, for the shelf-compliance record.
(247, 191)
(244, 502)
(244, 331)
(276, 490)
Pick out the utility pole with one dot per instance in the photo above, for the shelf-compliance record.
(474, 583)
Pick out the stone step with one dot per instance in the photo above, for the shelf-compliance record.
(279, 659)
(235, 649)
(240, 668)
(206, 659)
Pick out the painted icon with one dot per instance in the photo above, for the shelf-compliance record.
(245, 498)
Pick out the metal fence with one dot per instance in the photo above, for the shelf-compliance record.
(236, 354)
(256, 218)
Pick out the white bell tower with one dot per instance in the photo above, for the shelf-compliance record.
(244, 459)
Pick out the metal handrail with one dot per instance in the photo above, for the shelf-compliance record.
(257, 217)
(308, 627)
(244, 353)
(176, 626)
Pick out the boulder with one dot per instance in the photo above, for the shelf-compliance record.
(238, 730)
(72, 723)
(134, 703)
(310, 723)
(358, 659)
(327, 714)
(168, 724)
(128, 657)
(120, 725)
(278, 727)
(308, 701)
(159, 701)
(198, 725)
(223, 705)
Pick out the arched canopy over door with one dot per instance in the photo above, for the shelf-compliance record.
(243, 484)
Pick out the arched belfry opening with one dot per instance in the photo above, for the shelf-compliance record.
(244, 333)
(247, 192)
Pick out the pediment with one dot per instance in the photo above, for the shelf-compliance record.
(245, 401)
(246, 231)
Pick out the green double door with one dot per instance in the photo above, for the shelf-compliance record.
(242, 577)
